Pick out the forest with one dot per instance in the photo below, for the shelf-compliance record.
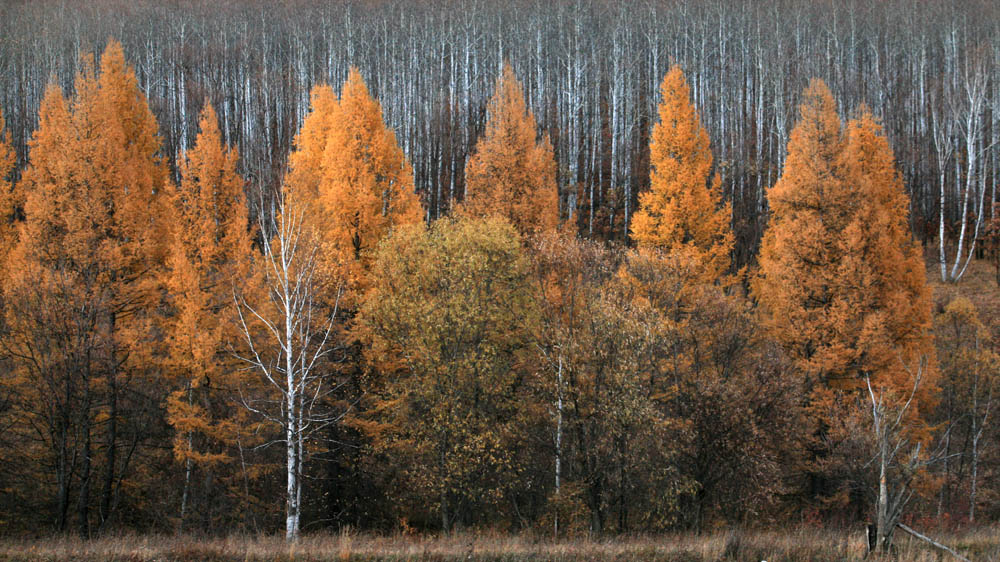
(575, 268)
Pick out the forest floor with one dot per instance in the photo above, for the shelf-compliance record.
(801, 545)
(978, 285)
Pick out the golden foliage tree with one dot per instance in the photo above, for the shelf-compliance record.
(91, 243)
(351, 172)
(446, 321)
(511, 174)
(842, 287)
(842, 284)
(208, 257)
(683, 209)
(305, 163)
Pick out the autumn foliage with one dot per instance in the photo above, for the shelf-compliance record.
(683, 211)
(842, 283)
(209, 256)
(512, 174)
(96, 219)
(349, 169)
(9, 198)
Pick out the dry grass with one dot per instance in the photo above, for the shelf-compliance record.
(773, 546)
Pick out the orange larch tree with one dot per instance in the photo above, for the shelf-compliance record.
(366, 185)
(841, 282)
(800, 252)
(305, 163)
(842, 287)
(92, 242)
(683, 209)
(512, 174)
(209, 255)
(353, 178)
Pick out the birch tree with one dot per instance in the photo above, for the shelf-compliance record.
(287, 337)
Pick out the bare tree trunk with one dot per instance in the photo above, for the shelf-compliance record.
(83, 501)
(111, 452)
(559, 422)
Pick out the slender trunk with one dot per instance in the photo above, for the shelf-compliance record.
(187, 485)
(187, 473)
(83, 501)
(973, 477)
(559, 421)
(941, 255)
(111, 453)
(291, 425)
(62, 476)
(882, 532)
(445, 520)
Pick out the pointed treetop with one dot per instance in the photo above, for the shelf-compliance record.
(842, 284)
(683, 209)
(350, 172)
(511, 174)
(305, 161)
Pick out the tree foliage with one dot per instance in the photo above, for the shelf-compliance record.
(209, 255)
(351, 172)
(449, 312)
(10, 200)
(683, 209)
(92, 241)
(511, 174)
(842, 283)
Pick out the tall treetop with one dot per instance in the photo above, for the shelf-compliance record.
(306, 160)
(511, 174)
(841, 282)
(367, 182)
(683, 208)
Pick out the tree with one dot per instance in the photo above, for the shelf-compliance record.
(93, 242)
(209, 256)
(305, 162)
(350, 170)
(683, 209)
(841, 283)
(358, 185)
(511, 174)
(969, 377)
(897, 455)
(446, 323)
(287, 330)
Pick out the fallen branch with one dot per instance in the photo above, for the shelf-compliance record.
(932, 541)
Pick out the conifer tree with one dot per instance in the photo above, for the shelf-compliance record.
(800, 251)
(843, 289)
(353, 178)
(89, 249)
(209, 254)
(306, 160)
(841, 282)
(511, 174)
(683, 209)
(366, 185)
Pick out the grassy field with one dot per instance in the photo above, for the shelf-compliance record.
(773, 546)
